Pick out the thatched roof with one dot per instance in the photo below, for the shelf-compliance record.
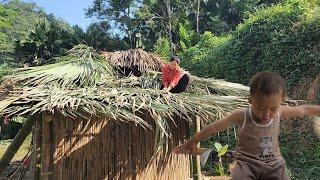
(134, 58)
(81, 84)
(83, 77)
(82, 66)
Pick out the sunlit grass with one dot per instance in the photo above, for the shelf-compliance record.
(23, 150)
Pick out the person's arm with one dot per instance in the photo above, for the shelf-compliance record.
(176, 77)
(164, 76)
(299, 111)
(190, 146)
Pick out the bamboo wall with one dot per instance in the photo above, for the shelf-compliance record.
(101, 149)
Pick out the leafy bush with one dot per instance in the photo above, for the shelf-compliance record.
(9, 131)
(301, 149)
(283, 38)
(4, 70)
(162, 47)
(194, 58)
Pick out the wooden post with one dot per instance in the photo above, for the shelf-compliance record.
(37, 150)
(196, 159)
(16, 143)
(316, 126)
(46, 150)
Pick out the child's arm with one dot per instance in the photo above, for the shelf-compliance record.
(190, 146)
(299, 111)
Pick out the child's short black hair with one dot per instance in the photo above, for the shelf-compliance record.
(267, 83)
(175, 58)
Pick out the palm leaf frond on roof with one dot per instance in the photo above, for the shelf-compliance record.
(134, 59)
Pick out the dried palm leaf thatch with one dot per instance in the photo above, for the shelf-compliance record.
(205, 86)
(82, 84)
(216, 86)
(149, 80)
(82, 66)
(134, 58)
(120, 104)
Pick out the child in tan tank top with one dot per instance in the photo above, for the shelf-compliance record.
(258, 154)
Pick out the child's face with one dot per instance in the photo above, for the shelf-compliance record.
(264, 108)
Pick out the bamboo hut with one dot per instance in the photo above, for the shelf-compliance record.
(89, 124)
(133, 61)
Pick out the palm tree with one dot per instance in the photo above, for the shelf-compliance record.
(43, 42)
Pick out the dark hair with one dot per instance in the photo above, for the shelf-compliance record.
(267, 83)
(175, 58)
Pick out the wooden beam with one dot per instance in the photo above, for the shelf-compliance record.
(16, 143)
(37, 140)
(46, 149)
(196, 159)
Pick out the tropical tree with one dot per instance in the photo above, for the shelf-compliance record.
(98, 37)
(118, 14)
(44, 41)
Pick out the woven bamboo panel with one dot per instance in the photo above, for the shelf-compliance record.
(102, 149)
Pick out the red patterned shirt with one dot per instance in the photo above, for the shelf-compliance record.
(171, 77)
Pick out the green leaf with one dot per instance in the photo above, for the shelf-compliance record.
(223, 150)
(218, 146)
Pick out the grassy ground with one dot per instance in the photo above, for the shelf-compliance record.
(23, 150)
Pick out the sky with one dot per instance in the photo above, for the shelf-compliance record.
(71, 11)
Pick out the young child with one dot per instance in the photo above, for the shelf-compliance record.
(258, 154)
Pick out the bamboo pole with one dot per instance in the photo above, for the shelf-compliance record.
(316, 126)
(16, 143)
(196, 159)
(46, 149)
(37, 150)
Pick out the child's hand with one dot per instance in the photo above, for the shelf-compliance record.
(187, 148)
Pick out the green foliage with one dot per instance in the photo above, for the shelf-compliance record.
(221, 151)
(44, 41)
(227, 137)
(22, 17)
(98, 37)
(283, 38)
(23, 150)
(5, 42)
(5, 17)
(4, 69)
(17, 18)
(29, 35)
(194, 57)
(150, 17)
(186, 36)
(117, 14)
(11, 129)
(162, 47)
(301, 149)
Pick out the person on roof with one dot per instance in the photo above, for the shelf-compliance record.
(174, 78)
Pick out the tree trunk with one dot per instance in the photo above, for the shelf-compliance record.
(169, 25)
(198, 12)
(16, 143)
